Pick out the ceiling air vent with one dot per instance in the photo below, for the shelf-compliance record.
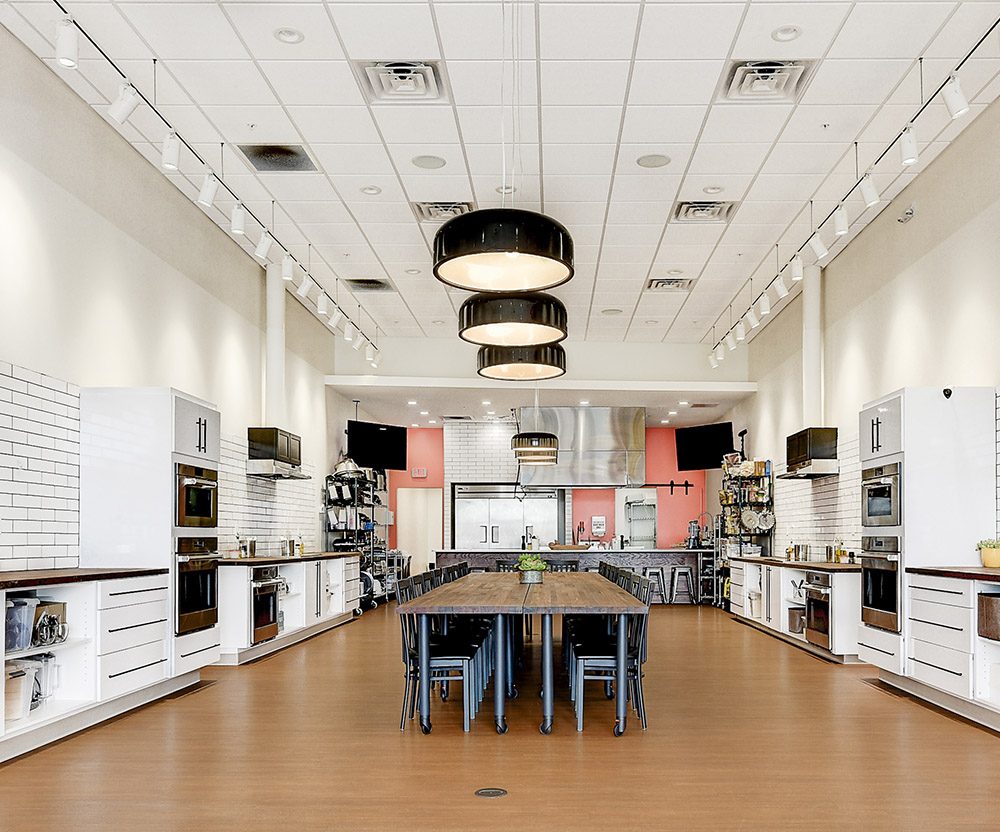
(277, 158)
(369, 284)
(703, 211)
(703, 405)
(440, 211)
(456, 418)
(400, 81)
(765, 81)
(669, 284)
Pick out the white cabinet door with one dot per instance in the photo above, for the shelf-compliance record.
(772, 590)
(880, 430)
(196, 430)
(331, 575)
(310, 590)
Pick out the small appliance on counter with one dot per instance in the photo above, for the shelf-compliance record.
(694, 535)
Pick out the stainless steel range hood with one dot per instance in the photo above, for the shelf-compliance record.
(597, 445)
(272, 469)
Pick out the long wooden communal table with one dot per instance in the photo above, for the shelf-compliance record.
(501, 594)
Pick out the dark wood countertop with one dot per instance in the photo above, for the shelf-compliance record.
(50, 577)
(568, 553)
(967, 573)
(265, 561)
(805, 565)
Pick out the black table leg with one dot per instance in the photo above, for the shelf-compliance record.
(548, 684)
(424, 651)
(511, 657)
(621, 669)
(500, 671)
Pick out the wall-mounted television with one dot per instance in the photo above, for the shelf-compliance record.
(372, 445)
(703, 447)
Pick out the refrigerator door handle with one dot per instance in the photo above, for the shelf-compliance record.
(496, 534)
(485, 536)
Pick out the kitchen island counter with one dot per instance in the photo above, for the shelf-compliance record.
(634, 559)
(279, 561)
(804, 565)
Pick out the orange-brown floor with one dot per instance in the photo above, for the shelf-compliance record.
(746, 733)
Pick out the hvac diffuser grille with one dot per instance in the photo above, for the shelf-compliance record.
(400, 81)
(669, 284)
(703, 211)
(369, 284)
(277, 158)
(767, 81)
(439, 211)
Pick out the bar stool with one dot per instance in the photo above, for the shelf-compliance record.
(656, 575)
(687, 573)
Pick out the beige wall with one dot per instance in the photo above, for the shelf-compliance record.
(111, 276)
(904, 305)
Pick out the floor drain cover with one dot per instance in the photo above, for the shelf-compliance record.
(491, 792)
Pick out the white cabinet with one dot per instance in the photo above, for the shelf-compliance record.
(880, 429)
(352, 583)
(737, 588)
(196, 430)
(771, 587)
(941, 623)
(196, 650)
(310, 591)
(132, 631)
(881, 648)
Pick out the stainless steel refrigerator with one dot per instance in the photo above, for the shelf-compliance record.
(490, 518)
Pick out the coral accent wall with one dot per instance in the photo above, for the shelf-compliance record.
(672, 512)
(424, 449)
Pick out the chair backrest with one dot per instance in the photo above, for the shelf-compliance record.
(564, 566)
(506, 566)
(407, 623)
(623, 578)
(427, 581)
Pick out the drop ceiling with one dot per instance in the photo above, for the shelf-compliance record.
(601, 84)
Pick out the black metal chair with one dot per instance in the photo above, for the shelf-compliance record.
(564, 566)
(506, 566)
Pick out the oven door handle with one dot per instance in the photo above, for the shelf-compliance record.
(197, 558)
(261, 587)
(817, 593)
(198, 482)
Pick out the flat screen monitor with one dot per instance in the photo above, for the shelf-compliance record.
(372, 445)
(703, 447)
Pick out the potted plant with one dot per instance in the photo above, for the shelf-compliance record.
(531, 568)
(989, 552)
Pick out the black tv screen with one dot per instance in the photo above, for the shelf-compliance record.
(702, 447)
(372, 445)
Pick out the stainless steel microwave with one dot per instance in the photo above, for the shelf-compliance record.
(197, 497)
(880, 496)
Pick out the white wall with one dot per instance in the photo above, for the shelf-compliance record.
(904, 305)
(113, 277)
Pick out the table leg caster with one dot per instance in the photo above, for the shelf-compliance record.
(513, 693)
(425, 727)
(501, 726)
(619, 729)
(546, 726)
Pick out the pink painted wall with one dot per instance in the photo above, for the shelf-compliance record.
(424, 449)
(673, 512)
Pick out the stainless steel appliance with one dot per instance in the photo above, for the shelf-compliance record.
(880, 496)
(880, 582)
(197, 584)
(492, 517)
(264, 586)
(197, 497)
(819, 593)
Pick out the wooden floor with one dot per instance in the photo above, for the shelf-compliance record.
(746, 733)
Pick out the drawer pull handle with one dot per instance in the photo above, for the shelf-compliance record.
(942, 669)
(135, 591)
(942, 626)
(133, 626)
(134, 669)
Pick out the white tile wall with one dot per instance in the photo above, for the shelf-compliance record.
(39, 471)
(480, 452)
(266, 509)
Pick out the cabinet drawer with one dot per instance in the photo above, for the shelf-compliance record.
(736, 595)
(882, 649)
(940, 667)
(196, 650)
(954, 661)
(736, 577)
(124, 627)
(125, 591)
(942, 624)
(952, 591)
(131, 669)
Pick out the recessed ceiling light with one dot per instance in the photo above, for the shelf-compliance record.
(611, 311)
(505, 189)
(664, 421)
(683, 404)
(713, 189)
(428, 162)
(584, 402)
(653, 160)
(414, 425)
(783, 34)
(487, 404)
(424, 413)
(431, 422)
(675, 272)
(671, 412)
(438, 323)
(491, 413)
(411, 402)
(371, 190)
(413, 271)
(651, 322)
(286, 35)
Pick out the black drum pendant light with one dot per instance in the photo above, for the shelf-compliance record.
(522, 320)
(535, 363)
(535, 447)
(503, 250)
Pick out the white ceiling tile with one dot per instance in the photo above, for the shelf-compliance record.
(662, 83)
(527, 190)
(490, 83)
(350, 185)
(963, 29)
(736, 157)
(483, 125)
(188, 31)
(404, 154)
(375, 209)
(600, 31)
(628, 254)
(578, 158)
(624, 235)
(450, 188)
(617, 271)
(230, 83)
(313, 82)
(114, 33)
(394, 232)
(585, 213)
(889, 30)
(302, 187)
(820, 123)
(819, 23)
(191, 123)
(674, 125)
(256, 24)
(855, 81)
(580, 125)
(762, 211)
(798, 157)
(253, 124)
(352, 158)
(745, 122)
(414, 123)
(783, 187)
(628, 155)
(386, 31)
(650, 212)
(649, 188)
(321, 125)
(689, 234)
(340, 254)
(733, 187)
(584, 82)
(330, 233)
(313, 212)
(479, 31)
(488, 159)
(688, 30)
(755, 234)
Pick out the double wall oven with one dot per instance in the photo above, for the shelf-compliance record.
(819, 589)
(880, 582)
(196, 517)
(197, 497)
(880, 496)
(265, 584)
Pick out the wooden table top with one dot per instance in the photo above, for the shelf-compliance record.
(485, 593)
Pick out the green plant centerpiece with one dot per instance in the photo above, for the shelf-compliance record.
(989, 552)
(531, 567)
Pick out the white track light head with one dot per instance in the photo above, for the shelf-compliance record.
(713, 362)
(818, 247)
(908, 154)
(765, 304)
(170, 154)
(869, 192)
(335, 317)
(238, 220)
(797, 268)
(263, 246)
(954, 100)
(304, 287)
(124, 105)
(288, 267)
(841, 225)
(323, 305)
(209, 188)
(67, 44)
(779, 287)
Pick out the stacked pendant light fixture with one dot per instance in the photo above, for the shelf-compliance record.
(535, 447)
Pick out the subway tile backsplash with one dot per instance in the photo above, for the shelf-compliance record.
(39, 470)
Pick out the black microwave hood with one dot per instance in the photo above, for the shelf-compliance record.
(274, 454)
(811, 454)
